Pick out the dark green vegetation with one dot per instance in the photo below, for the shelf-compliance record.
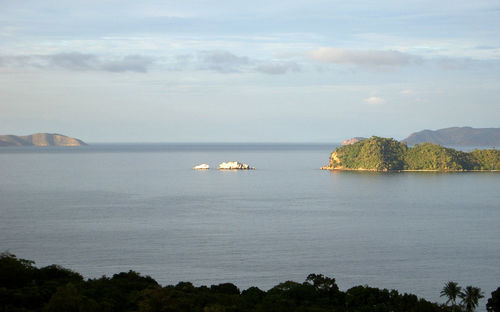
(384, 154)
(451, 291)
(24, 287)
(493, 304)
(39, 139)
(469, 296)
(457, 136)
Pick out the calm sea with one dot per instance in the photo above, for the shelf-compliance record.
(104, 209)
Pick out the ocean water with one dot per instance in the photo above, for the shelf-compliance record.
(109, 208)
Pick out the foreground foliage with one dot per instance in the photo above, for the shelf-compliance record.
(24, 287)
(383, 154)
(470, 296)
(452, 291)
(493, 304)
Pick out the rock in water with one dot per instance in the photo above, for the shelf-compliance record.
(234, 165)
(201, 167)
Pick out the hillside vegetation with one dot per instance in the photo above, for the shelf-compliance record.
(384, 154)
(24, 287)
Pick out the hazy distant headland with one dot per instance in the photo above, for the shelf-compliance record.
(352, 140)
(40, 139)
(457, 136)
(383, 154)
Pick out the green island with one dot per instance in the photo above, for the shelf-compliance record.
(25, 287)
(385, 154)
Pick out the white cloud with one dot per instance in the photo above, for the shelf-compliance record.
(73, 61)
(362, 57)
(477, 48)
(278, 68)
(407, 92)
(133, 63)
(375, 100)
(76, 61)
(222, 61)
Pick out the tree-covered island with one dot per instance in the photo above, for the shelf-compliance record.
(384, 154)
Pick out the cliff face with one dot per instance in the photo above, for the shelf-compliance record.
(457, 136)
(40, 139)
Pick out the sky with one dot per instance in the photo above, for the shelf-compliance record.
(247, 71)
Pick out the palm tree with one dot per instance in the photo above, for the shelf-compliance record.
(451, 290)
(470, 297)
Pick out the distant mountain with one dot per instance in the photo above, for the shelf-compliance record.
(457, 136)
(39, 139)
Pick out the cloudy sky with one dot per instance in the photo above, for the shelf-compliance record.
(247, 71)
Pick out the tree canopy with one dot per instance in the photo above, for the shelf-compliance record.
(385, 154)
(25, 287)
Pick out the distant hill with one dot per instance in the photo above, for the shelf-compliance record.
(457, 136)
(40, 139)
